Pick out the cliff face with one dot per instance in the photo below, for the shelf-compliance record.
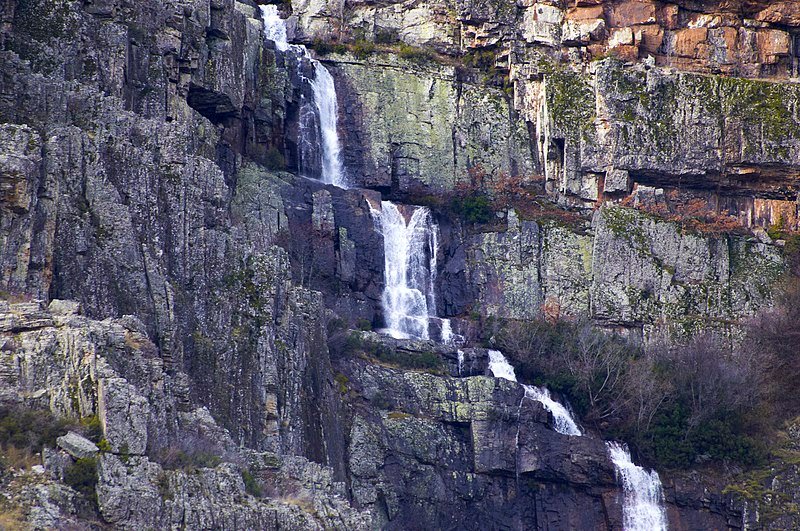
(597, 128)
(148, 174)
(624, 269)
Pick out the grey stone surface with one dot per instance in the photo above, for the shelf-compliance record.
(148, 153)
(77, 445)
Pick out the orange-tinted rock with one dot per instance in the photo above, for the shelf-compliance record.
(596, 50)
(626, 53)
(688, 41)
(585, 13)
(668, 16)
(787, 13)
(649, 38)
(772, 44)
(632, 12)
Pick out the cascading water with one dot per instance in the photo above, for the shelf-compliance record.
(500, 367)
(410, 249)
(562, 419)
(642, 506)
(448, 338)
(317, 117)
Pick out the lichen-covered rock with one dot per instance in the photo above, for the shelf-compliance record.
(474, 453)
(75, 368)
(76, 445)
(420, 128)
(626, 269)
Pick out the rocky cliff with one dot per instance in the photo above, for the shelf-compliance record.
(168, 273)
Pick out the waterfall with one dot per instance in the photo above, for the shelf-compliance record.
(562, 418)
(448, 338)
(500, 367)
(409, 249)
(274, 27)
(318, 117)
(642, 506)
(460, 354)
(325, 99)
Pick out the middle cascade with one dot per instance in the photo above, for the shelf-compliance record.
(318, 118)
(562, 418)
(410, 241)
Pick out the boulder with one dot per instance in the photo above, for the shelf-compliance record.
(77, 445)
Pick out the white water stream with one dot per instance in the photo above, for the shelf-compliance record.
(318, 117)
(562, 418)
(410, 241)
(642, 506)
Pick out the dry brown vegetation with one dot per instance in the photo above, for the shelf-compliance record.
(678, 403)
(695, 214)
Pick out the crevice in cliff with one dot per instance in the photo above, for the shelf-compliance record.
(215, 106)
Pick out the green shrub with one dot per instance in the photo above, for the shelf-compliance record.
(365, 325)
(335, 325)
(672, 443)
(342, 382)
(483, 59)
(103, 445)
(321, 47)
(386, 36)
(82, 476)
(473, 209)
(414, 53)
(251, 484)
(274, 159)
(30, 429)
(426, 361)
(362, 48)
(92, 428)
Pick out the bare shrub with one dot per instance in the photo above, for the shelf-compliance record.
(710, 377)
(191, 451)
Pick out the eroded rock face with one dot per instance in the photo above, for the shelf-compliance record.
(414, 128)
(471, 453)
(141, 154)
(604, 109)
(750, 38)
(624, 269)
(79, 367)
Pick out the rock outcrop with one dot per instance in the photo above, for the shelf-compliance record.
(81, 368)
(442, 452)
(604, 111)
(624, 269)
(165, 271)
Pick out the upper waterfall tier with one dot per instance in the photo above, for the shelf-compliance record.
(319, 150)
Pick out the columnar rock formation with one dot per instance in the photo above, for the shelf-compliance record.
(165, 268)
